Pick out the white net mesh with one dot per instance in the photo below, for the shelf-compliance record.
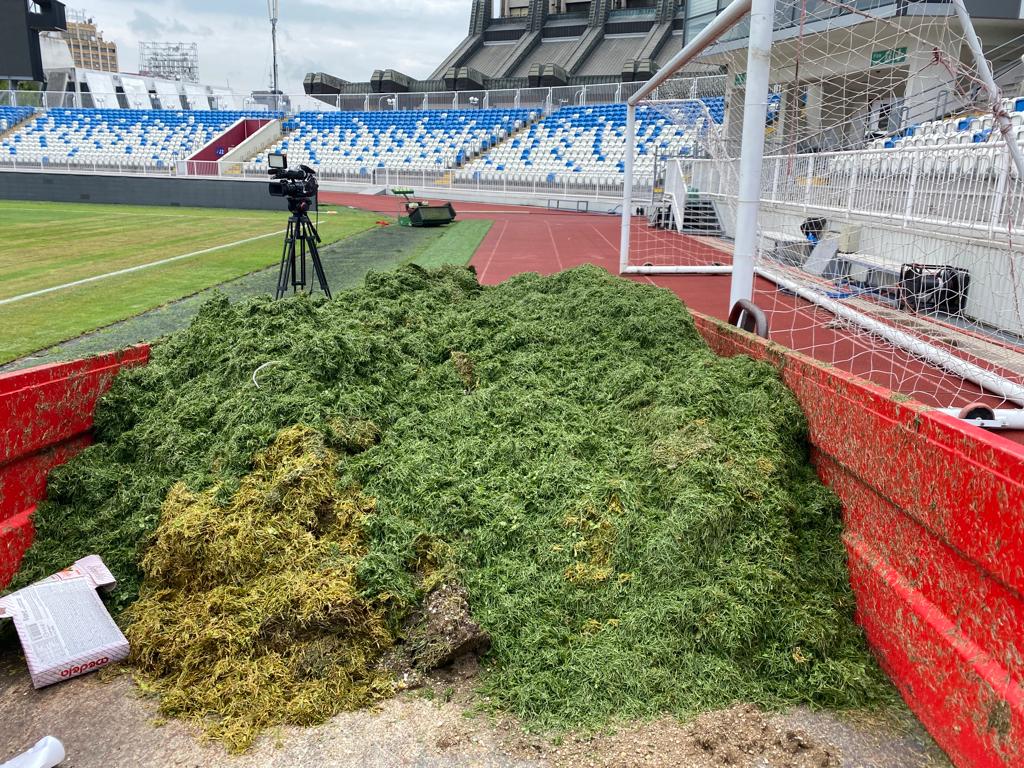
(890, 203)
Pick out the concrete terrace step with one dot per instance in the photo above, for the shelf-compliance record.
(11, 130)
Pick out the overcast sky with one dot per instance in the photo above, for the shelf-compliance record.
(346, 38)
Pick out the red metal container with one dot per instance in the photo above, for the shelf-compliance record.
(934, 513)
(45, 419)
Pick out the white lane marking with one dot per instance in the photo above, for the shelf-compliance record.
(136, 268)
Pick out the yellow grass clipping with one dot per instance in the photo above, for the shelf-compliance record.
(250, 609)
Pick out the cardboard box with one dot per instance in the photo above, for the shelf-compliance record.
(64, 628)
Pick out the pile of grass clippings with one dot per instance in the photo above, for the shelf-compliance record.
(251, 609)
(633, 519)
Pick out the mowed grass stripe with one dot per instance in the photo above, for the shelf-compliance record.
(458, 245)
(51, 260)
(137, 268)
(50, 319)
(110, 238)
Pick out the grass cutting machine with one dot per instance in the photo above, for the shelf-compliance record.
(420, 213)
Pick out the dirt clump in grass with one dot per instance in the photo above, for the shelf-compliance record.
(443, 630)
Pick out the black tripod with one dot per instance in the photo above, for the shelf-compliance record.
(300, 232)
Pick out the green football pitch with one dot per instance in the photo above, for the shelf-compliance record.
(66, 269)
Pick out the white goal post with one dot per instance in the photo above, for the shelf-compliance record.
(892, 143)
(726, 20)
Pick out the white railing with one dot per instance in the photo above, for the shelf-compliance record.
(120, 169)
(572, 186)
(952, 187)
(513, 98)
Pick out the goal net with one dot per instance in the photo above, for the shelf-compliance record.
(886, 238)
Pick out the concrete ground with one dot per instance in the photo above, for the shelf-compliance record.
(105, 722)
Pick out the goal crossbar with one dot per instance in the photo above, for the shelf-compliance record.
(728, 18)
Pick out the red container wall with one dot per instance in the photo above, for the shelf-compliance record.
(934, 514)
(45, 418)
(934, 528)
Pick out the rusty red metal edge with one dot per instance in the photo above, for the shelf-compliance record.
(985, 609)
(944, 679)
(967, 696)
(16, 535)
(43, 406)
(23, 480)
(46, 414)
(934, 527)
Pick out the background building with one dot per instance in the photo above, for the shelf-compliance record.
(88, 48)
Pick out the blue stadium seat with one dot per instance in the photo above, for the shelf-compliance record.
(591, 140)
(117, 137)
(11, 116)
(422, 140)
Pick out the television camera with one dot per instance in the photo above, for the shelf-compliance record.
(300, 187)
(299, 184)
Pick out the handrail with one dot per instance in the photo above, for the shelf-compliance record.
(589, 93)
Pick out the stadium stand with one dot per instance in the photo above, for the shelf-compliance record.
(956, 130)
(617, 41)
(420, 140)
(591, 141)
(134, 138)
(12, 116)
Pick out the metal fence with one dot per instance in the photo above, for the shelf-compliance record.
(570, 185)
(947, 187)
(547, 99)
(12, 164)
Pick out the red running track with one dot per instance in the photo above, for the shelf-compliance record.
(544, 241)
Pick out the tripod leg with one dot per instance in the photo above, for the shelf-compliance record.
(292, 266)
(302, 257)
(318, 268)
(311, 237)
(283, 276)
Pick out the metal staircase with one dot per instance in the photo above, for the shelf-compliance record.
(692, 216)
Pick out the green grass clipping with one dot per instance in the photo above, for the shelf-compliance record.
(635, 519)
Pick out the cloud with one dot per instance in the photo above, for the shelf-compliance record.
(347, 38)
(145, 25)
(149, 27)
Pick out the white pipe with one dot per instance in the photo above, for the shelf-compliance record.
(938, 357)
(755, 114)
(627, 188)
(1004, 419)
(985, 73)
(695, 270)
(722, 23)
(719, 25)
